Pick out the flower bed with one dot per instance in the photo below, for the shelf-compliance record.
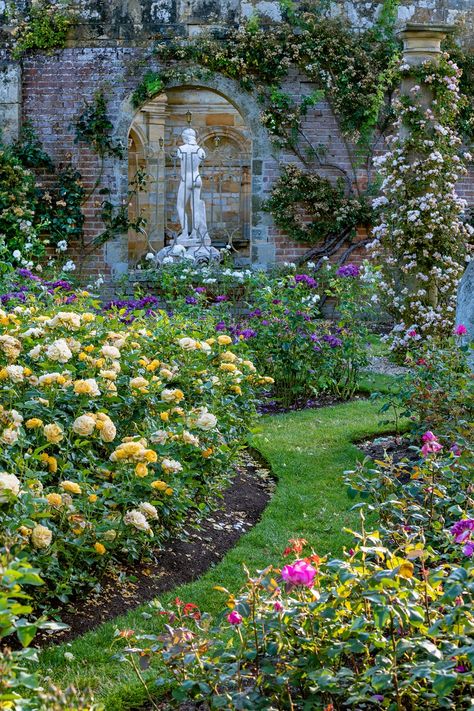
(389, 625)
(112, 433)
(279, 315)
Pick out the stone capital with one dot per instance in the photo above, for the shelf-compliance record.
(422, 42)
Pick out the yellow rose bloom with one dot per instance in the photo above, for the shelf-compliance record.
(89, 348)
(168, 491)
(224, 340)
(71, 486)
(159, 485)
(54, 499)
(82, 356)
(93, 498)
(141, 469)
(165, 416)
(236, 389)
(88, 317)
(52, 465)
(99, 548)
(153, 365)
(228, 367)
(53, 433)
(150, 455)
(33, 423)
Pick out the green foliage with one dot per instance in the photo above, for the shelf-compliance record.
(311, 208)
(44, 29)
(151, 85)
(20, 240)
(94, 128)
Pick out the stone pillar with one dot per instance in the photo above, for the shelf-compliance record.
(10, 100)
(421, 43)
(154, 120)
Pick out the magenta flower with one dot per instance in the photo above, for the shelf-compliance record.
(430, 448)
(429, 437)
(299, 573)
(460, 330)
(278, 607)
(412, 333)
(234, 618)
(462, 529)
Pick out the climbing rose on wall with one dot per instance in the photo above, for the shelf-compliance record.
(421, 239)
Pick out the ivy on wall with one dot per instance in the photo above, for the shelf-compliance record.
(44, 28)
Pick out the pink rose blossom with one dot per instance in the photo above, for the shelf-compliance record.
(431, 448)
(234, 618)
(460, 330)
(299, 573)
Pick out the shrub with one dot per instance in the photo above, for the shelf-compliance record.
(278, 315)
(113, 433)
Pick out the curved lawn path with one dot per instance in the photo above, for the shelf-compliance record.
(308, 452)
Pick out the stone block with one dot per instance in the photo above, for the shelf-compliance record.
(465, 305)
(220, 119)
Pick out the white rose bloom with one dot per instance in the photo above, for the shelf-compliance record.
(8, 483)
(15, 373)
(41, 536)
(159, 437)
(9, 436)
(206, 421)
(148, 510)
(84, 425)
(188, 344)
(35, 352)
(137, 519)
(59, 351)
(110, 352)
(17, 254)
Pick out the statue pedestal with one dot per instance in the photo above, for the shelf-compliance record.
(196, 252)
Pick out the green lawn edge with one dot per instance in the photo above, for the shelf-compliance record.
(308, 451)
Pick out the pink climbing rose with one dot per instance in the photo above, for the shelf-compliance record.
(234, 618)
(299, 573)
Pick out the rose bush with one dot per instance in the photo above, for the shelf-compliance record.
(388, 625)
(113, 434)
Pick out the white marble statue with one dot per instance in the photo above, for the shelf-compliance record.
(191, 208)
(193, 242)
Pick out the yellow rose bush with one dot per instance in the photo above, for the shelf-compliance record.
(113, 432)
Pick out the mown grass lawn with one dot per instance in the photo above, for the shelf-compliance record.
(308, 452)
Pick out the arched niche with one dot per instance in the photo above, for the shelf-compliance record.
(154, 136)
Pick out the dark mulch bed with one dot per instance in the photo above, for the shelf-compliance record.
(396, 446)
(186, 559)
(270, 406)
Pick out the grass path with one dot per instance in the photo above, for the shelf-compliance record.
(308, 452)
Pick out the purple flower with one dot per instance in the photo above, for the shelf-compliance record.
(306, 279)
(200, 289)
(221, 326)
(247, 333)
(460, 330)
(460, 669)
(221, 297)
(462, 529)
(348, 270)
(191, 300)
(276, 301)
(28, 274)
(333, 341)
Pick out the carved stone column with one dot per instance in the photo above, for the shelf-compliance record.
(154, 119)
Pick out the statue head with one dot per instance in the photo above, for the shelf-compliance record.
(189, 136)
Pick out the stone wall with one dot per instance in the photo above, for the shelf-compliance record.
(110, 50)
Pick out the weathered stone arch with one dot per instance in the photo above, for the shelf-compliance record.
(262, 151)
